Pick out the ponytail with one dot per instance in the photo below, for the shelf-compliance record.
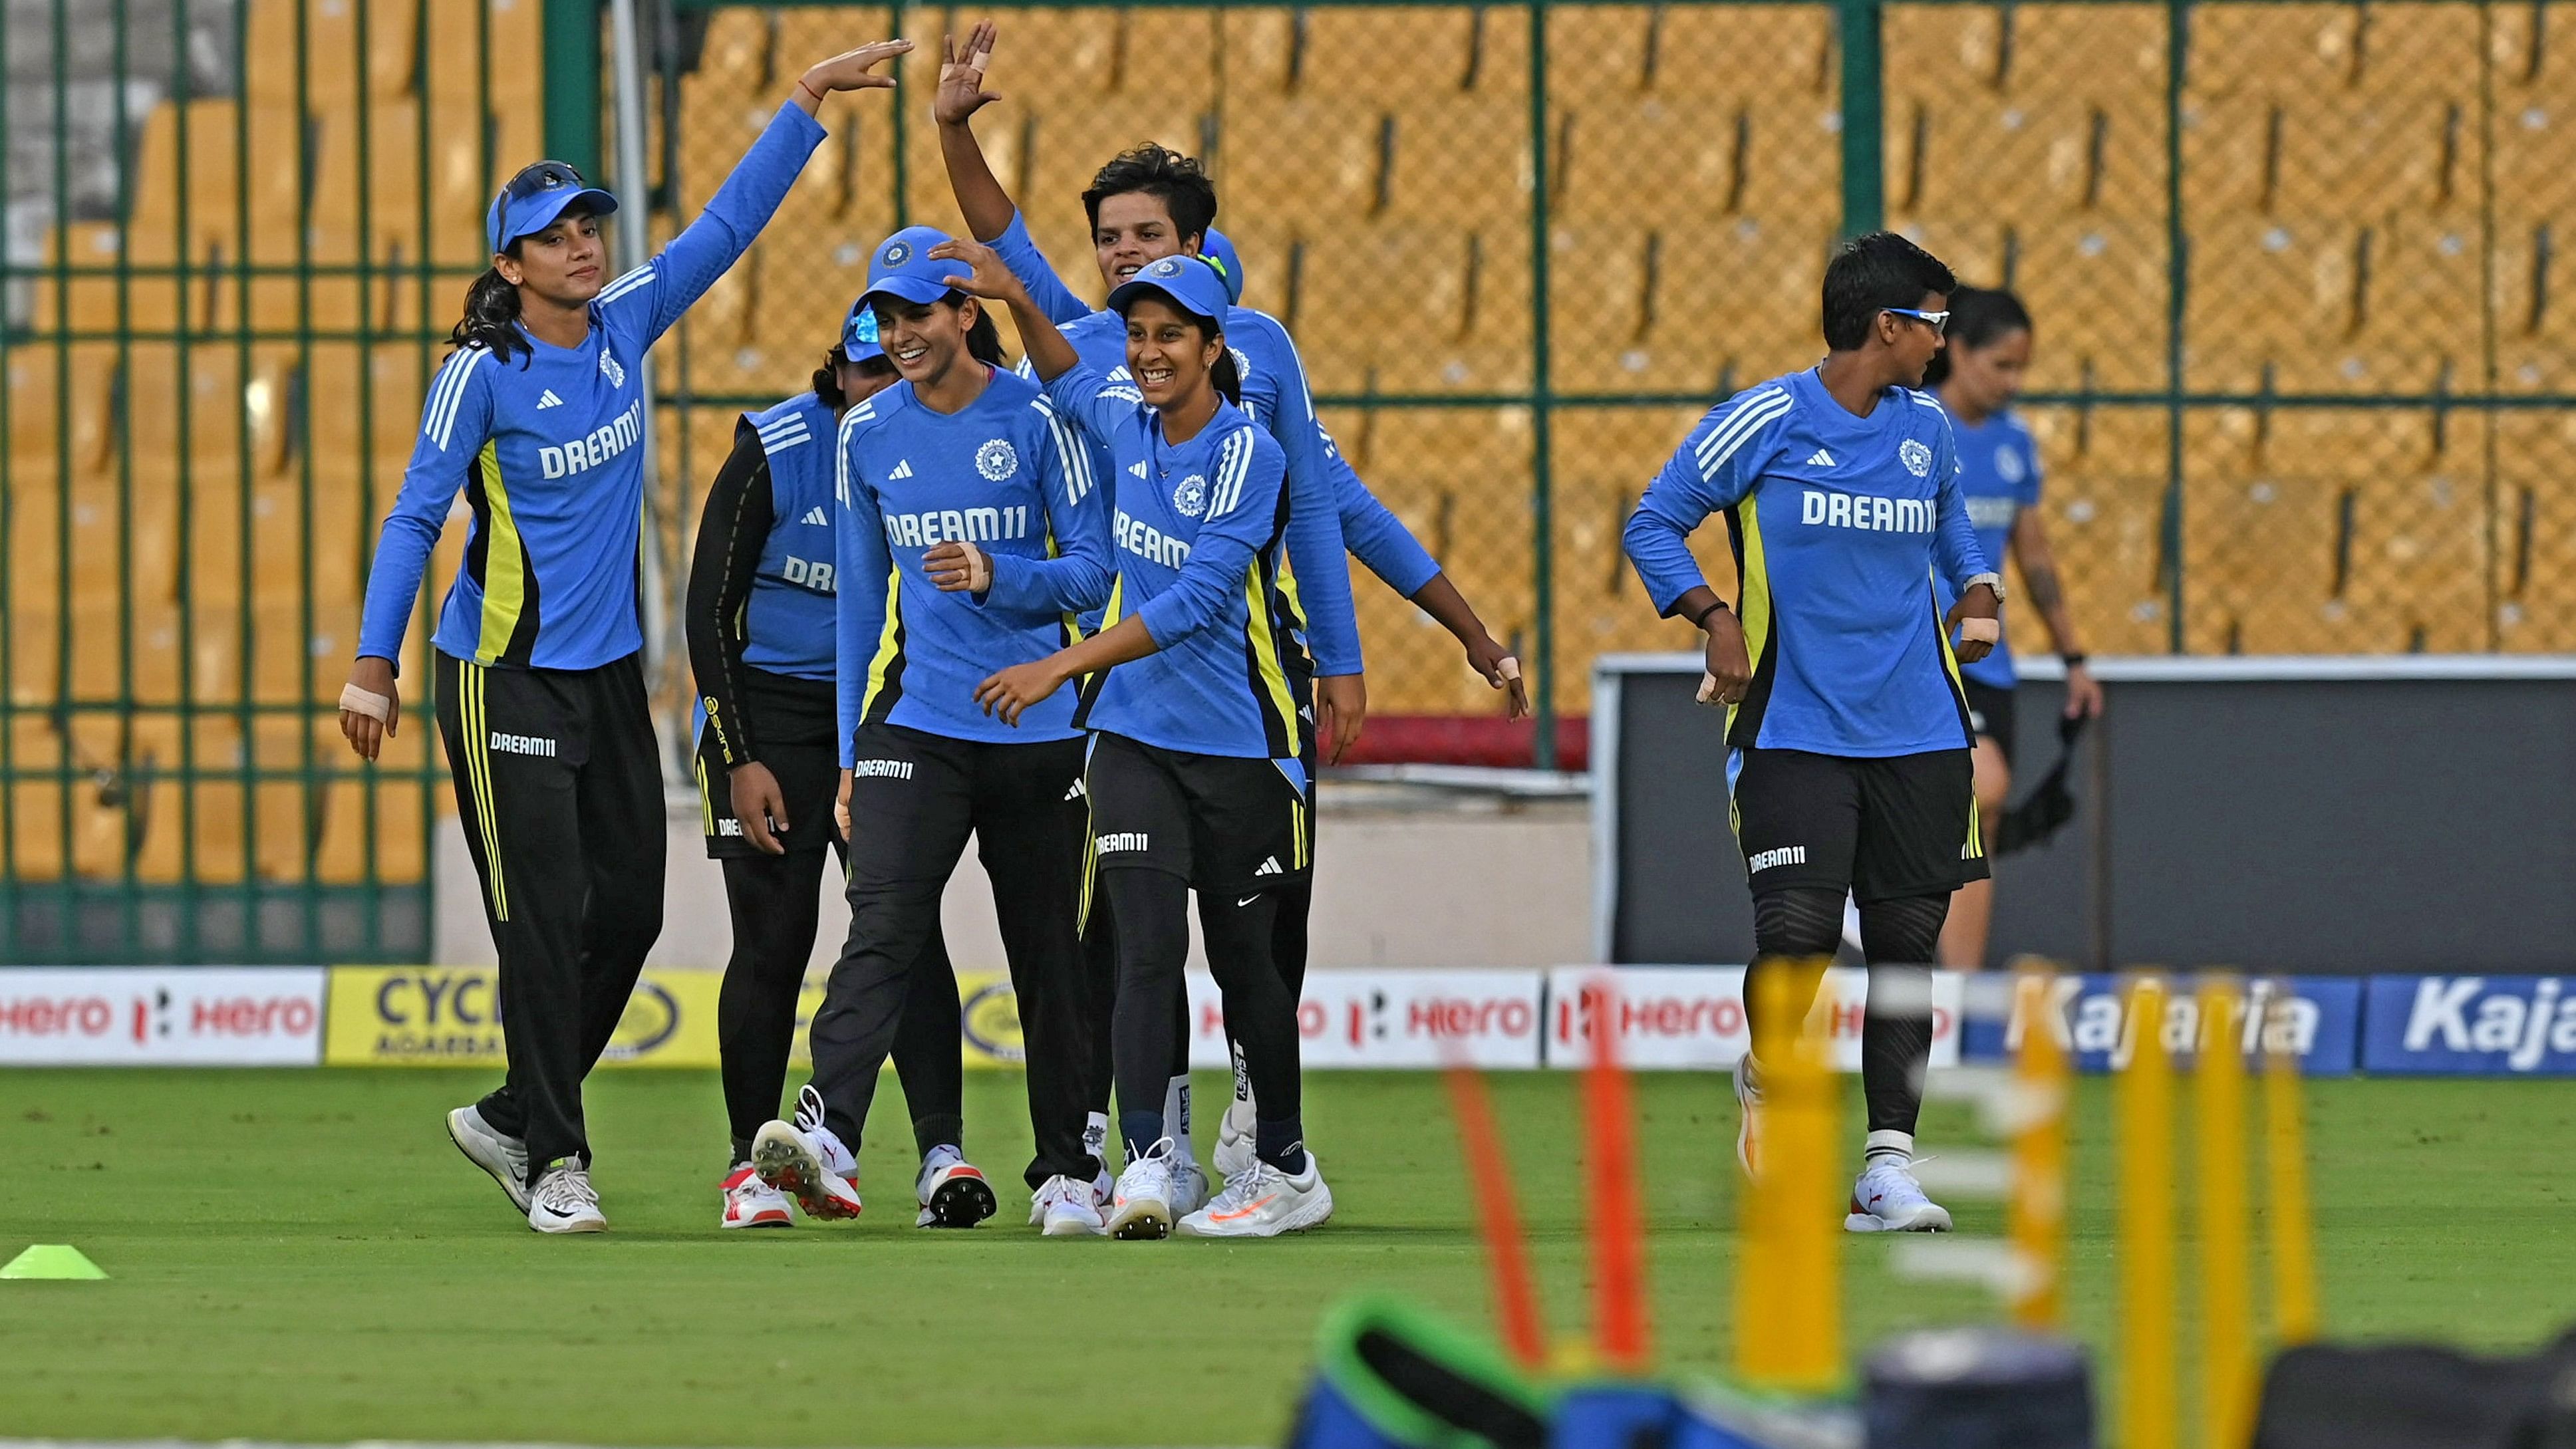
(984, 340)
(827, 382)
(491, 317)
(1227, 378)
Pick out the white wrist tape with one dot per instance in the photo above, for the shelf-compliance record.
(366, 702)
(1980, 631)
(979, 569)
(1708, 688)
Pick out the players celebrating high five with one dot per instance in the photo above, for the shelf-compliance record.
(1195, 778)
(1847, 729)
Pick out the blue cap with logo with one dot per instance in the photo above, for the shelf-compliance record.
(903, 267)
(1195, 286)
(1218, 252)
(531, 200)
(859, 333)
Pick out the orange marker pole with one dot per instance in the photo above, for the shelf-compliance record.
(1618, 1223)
(1788, 1290)
(1506, 1251)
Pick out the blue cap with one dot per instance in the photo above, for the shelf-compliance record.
(531, 201)
(903, 267)
(859, 333)
(1192, 283)
(1218, 252)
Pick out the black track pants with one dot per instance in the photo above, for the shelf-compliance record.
(559, 788)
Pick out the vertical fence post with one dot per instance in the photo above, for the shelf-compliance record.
(1543, 744)
(572, 83)
(1863, 136)
(2177, 281)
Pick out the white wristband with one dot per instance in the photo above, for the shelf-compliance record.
(366, 702)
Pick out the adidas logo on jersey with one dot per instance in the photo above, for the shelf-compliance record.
(1077, 792)
(814, 515)
(1136, 468)
(1269, 866)
(547, 399)
(1822, 459)
(902, 470)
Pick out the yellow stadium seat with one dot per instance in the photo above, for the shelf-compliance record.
(404, 186)
(2422, 325)
(1733, 303)
(1596, 51)
(1461, 162)
(1599, 292)
(206, 394)
(1303, 162)
(495, 64)
(338, 63)
(90, 296)
(1768, 52)
(1771, 162)
(2104, 504)
(2368, 154)
(2113, 56)
(61, 411)
(1380, 56)
(2288, 49)
(74, 799)
(2536, 573)
(1388, 306)
(2428, 49)
(2419, 561)
(390, 815)
(277, 141)
(2267, 293)
(2097, 288)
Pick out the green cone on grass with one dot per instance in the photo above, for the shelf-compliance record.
(51, 1260)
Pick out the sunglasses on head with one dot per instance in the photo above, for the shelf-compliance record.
(542, 177)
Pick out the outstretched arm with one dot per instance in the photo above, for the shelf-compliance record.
(988, 208)
(653, 296)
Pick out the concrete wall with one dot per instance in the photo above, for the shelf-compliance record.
(1403, 879)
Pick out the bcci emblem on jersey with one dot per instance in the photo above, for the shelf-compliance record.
(1916, 457)
(997, 460)
(1189, 496)
(608, 368)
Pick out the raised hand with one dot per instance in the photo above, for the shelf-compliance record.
(851, 70)
(988, 277)
(961, 76)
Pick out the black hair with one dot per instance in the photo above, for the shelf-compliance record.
(827, 379)
(983, 340)
(1979, 317)
(1223, 374)
(491, 314)
(1178, 181)
(1870, 274)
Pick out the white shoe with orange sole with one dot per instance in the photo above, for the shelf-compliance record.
(1263, 1202)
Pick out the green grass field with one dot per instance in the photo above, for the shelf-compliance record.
(301, 1255)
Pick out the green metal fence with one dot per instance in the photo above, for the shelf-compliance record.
(2302, 379)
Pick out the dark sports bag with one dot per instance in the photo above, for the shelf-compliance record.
(2408, 1396)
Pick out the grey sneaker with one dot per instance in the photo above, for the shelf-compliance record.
(506, 1158)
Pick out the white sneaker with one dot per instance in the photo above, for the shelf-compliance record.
(796, 1162)
(752, 1203)
(1748, 1106)
(1064, 1208)
(506, 1158)
(1264, 1203)
(564, 1201)
(1189, 1185)
(1141, 1206)
(952, 1191)
(1234, 1155)
(1887, 1199)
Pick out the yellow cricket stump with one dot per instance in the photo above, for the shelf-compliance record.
(2143, 1106)
(1788, 1284)
(2226, 1294)
(2035, 1213)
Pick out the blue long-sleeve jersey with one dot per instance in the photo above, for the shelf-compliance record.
(1196, 529)
(1999, 476)
(1375, 536)
(788, 619)
(1006, 473)
(546, 447)
(1316, 579)
(1840, 525)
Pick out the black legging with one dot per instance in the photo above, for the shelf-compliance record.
(1151, 911)
(1897, 939)
(776, 903)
